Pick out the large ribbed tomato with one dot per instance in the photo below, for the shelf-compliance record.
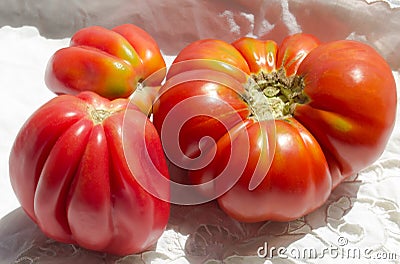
(75, 166)
(334, 108)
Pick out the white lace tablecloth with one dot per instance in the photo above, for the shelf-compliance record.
(360, 223)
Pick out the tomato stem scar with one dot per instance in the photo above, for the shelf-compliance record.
(280, 92)
(99, 115)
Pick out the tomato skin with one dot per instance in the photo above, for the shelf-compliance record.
(108, 62)
(213, 49)
(206, 54)
(69, 171)
(351, 89)
(327, 134)
(297, 182)
(197, 96)
(293, 50)
(266, 56)
(260, 55)
(145, 47)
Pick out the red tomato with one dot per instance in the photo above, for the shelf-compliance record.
(334, 108)
(108, 62)
(69, 170)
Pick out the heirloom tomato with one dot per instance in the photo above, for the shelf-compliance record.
(333, 106)
(74, 167)
(108, 62)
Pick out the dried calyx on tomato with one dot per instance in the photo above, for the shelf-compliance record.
(281, 92)
(321, 96)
